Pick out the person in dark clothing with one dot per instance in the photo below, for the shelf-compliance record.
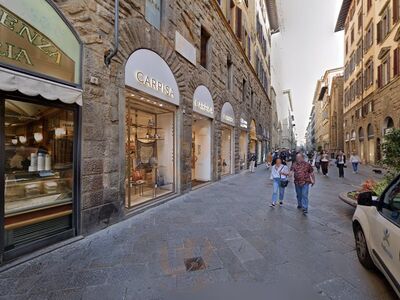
(341, 163)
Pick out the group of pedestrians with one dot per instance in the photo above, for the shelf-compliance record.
(303, 173)
(321, 162)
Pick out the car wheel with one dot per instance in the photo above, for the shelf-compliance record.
(362, 249)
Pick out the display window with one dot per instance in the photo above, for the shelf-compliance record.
(201, 150)
(150, 149)
(38, 142)
(243, 142)
(226, 150)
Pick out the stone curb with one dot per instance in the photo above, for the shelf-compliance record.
(343, 196)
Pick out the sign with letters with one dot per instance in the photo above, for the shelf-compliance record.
(146, 71)
(24, 46)
(227, 114)
(203, 102)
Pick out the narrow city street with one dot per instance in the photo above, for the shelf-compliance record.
(231, 226)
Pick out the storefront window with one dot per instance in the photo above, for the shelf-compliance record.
(39, 150)
(201, 150)
(226, 150)
(149, 150)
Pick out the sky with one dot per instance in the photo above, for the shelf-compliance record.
(304, 49)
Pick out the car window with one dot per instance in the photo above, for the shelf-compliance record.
(391, 203)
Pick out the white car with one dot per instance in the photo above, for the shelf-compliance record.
(376, 226)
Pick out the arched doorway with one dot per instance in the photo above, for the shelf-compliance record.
(371, 143)
(388, 125)
(152, 99)
(203, 115)
(353, 141)
(243, 142)
(347, 144)
(227, 139)
(361, 142)
(253, 138)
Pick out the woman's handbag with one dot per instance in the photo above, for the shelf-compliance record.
(284, 183)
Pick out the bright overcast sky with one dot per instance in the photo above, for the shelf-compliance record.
(303, 50)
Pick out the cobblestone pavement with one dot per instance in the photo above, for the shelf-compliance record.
(248, 248)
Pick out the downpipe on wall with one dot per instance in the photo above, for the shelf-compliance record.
(113, 52)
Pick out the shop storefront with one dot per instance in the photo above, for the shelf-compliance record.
(243, 143)
(253, 147)
(227, 139)
(152, 100)
(203, 115)
(40, 99)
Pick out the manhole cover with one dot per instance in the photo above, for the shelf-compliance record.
(195, 264)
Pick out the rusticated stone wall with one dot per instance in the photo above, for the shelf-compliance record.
(103, 112)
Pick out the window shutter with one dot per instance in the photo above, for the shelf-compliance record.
(395, 62)
(380, 76)
(379, 32)
(395, 11)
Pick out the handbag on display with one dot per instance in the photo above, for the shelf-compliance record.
(136, 176)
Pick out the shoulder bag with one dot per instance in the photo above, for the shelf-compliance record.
(284, 183)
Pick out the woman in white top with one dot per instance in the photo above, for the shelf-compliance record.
(324, 163)
(279, 174)
(355, 160)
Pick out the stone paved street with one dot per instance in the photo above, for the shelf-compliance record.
(244, 243)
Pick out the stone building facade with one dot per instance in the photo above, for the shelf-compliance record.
(178, 64)
(104, 105)
(371, 87)
(328, 105)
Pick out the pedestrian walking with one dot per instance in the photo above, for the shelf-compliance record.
(317, 161)
(355, 160)
(279, 174)
(341, 163)
(303, 179)
(269, 160)
(324, 163)
(253, 159)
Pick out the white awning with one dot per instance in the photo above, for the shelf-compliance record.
(11, 81)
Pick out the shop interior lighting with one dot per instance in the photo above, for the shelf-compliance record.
(38, 136)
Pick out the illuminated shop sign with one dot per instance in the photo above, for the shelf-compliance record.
(202, 102)
(227, 114)
(154, 84)
(243, 123)
(146, 71)
(36, 47)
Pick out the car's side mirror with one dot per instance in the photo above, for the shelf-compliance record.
(365, 199)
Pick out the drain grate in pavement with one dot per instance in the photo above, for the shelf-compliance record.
(195, 264)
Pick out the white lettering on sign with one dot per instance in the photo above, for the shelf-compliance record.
(154, 84)
(243, 123)
(227, 118)
(204, 107)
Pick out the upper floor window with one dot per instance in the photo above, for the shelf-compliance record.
(396, 11)
(153, 12)
(384, 72)
(360, 20)
(383, 26)
(369, 75)
(369, 4)
(238, 26)
(369, 36)
(205, 37)
(352, 35)
(229, 73)
(396, 62)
